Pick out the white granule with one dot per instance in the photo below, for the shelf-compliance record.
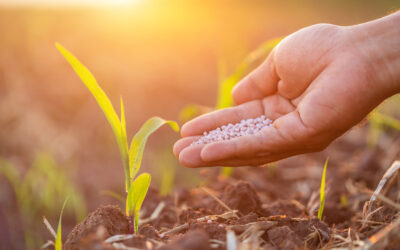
(230, 131)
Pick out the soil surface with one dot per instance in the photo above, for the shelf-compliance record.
(260, 208)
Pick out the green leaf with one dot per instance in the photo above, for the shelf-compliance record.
(136, 194)
(224, 99)
(113, 194)
(124, 152)
(322, 192)
(383, 119)
(123, 122)
(139, 142)
(262, 51)
(104, 103)
(189, 112)
(166, 163)
(58, 243)
(11, 174)
(226, 84)
(227, 171)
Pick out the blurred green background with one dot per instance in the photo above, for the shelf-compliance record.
(159, 55)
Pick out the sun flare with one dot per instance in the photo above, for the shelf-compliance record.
(63, 3)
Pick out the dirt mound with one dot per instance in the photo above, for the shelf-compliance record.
(241, 197)
(193, 240)
(109, 218)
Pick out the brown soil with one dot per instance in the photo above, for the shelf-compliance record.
(241, 197)
(193, 240)
(263, 206)
(100, 224)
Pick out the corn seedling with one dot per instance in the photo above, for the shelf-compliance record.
(131, 155)
(226, 84)
(378, 121)
(58, 243)
(322, 193)
(167, 163)
(37, 193)
(344, 201)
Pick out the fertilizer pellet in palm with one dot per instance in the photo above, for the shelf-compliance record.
(230, 131)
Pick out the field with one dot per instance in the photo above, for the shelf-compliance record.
(168, 59)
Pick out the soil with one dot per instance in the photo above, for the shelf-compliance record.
(98, 225)
(272, 208)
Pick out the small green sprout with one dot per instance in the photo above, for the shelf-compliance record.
(344, 201)
(378, 121)
(136, 195)
(37, 192)
(168, 162)
(322, 193)
(132, 155)
(58, 243)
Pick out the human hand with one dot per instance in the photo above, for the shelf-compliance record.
(315, 85)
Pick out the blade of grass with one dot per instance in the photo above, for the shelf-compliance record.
(104, 103)
(227, 172)
(113, 194)
(322, 192)
(384, 119)
(136, 195)
(11, 174)
(58, 243)
(166, 162)
(139, 142)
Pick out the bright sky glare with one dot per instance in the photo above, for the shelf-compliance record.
(64, 3)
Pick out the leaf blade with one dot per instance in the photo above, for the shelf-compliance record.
(136, 195)
(58, 242)
(103, 101)
(139, 142)
(322, 192)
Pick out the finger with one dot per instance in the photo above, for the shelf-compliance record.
(260, 161)
(183, 143)
(275, 106)
(240, 147)
(261, 82)
(190, 156)
(221, 117)
(255, 161)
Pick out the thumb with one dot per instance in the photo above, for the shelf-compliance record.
(261, 82)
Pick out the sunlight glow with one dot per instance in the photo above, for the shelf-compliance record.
(66, 3)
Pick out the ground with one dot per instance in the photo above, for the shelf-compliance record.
(272, 207)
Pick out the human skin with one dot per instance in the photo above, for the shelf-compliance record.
(316, 84)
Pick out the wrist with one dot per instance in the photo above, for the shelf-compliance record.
(379, 43)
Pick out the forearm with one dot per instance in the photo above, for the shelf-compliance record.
(379, 41)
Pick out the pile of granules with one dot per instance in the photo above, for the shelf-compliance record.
(230, 131)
